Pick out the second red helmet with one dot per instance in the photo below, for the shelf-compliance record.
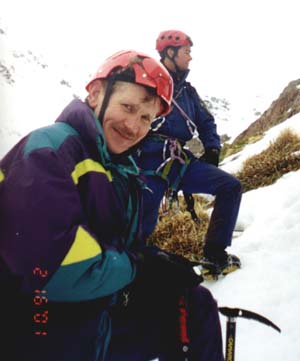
(172, 38)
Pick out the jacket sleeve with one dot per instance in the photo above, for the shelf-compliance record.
(45, 232)
(205, 123)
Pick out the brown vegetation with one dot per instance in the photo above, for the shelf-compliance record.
(282, 156)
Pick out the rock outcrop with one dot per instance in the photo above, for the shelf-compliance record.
(287, 105)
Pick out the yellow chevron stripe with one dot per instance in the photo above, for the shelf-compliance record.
(84, 247)
(1, 176)
(89, 165)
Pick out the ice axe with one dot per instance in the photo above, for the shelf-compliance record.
(232, 314)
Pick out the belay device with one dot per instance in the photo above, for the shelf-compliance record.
(232, 314)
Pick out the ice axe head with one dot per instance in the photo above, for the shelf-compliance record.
(232, 314)
(238, 312)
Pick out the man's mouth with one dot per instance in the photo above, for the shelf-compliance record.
(125, 134)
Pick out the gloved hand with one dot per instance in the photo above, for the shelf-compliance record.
(161, 279)
(162, 270)
(211, 156)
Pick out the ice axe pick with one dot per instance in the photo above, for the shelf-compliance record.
(232, 314)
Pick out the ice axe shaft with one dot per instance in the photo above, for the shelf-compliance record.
(230, 339)
(232, 314)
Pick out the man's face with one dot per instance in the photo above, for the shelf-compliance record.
(128, 116)
(183, 57)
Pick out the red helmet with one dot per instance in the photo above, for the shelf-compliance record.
(172, 38)
(147, 71)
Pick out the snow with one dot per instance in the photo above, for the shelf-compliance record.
(32, 91)
(268, 282)
(269, 246)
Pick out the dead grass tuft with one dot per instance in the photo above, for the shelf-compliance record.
(282, 156)
(178, 233)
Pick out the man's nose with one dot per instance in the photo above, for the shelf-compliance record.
(133, 124)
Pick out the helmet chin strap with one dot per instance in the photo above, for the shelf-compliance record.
(172, 59)
(177, 70)
(107, 95)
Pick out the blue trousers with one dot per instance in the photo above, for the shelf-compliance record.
(149, 333)
(200, 177)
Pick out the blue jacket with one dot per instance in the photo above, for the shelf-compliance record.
(188, 99)
(164, 145)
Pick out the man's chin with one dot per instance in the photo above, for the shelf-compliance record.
(118, 150)
(124, 147)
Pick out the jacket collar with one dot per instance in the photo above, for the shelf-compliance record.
(179, 80)
(82, 118)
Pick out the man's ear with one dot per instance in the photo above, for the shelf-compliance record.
(170, 53)
(94, 90)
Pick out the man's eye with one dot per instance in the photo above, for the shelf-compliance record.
(128, 107)
(147, 119)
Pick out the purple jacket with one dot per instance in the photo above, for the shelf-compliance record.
(69, 211)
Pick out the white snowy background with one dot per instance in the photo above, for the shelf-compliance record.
(269, 248)
(245, 52)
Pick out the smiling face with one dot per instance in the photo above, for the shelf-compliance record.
(128, 116)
